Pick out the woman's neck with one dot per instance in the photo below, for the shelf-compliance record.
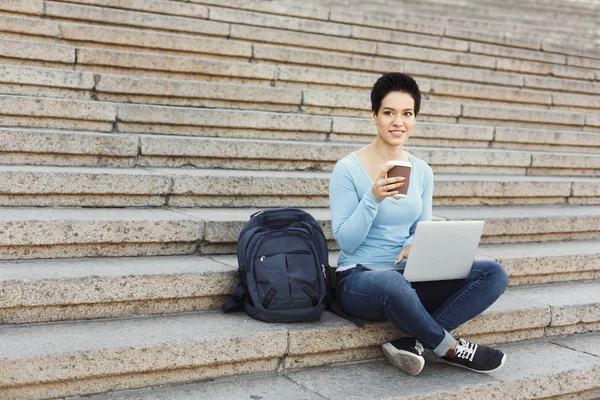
(387, 153)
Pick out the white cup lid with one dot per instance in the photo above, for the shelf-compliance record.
(399, 163)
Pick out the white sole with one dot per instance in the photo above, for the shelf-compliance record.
(408, 362)
(475, 370)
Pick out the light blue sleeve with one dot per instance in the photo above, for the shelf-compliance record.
(427, 200)
(351, 219)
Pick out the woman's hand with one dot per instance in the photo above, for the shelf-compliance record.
(386, 187)
(403, 254)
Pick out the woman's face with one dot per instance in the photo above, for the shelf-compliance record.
(396, 118)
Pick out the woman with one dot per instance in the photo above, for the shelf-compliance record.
(371, 228)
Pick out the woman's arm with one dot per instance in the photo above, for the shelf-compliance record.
(351, 219)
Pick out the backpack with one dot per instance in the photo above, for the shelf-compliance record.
(283, 267)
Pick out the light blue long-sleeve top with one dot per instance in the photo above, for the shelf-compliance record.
(368, 231)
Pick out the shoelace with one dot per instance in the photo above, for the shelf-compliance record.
(465, 349)
(419, 347)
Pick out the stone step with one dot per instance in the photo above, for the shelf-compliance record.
(82, 357)
(36, 53)
(182, 92)
(302, 21)
(522, 224)
(531, 371)
(227, 15)
(518, 35)
(580, 6)
(144, 64)
(498, 12)
(496, 7)
(29, 233)
(22, 146)
(75, 289)
(546, 262)
(29, 111)
(67, 148)
(138, 63)
(169, 151)
(526, 90)
(175, 8)
(45, 82)
(52, 147)
(193, 18)
(35, 7)
(475, 28)
(505, 224)
(419, 69)
(26, 186)
(479, 56)
(168, 43)
(136, 118)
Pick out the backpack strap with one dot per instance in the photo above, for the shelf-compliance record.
(234, 303)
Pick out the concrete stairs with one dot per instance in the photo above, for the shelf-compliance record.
(149, 187)
(136, 137)
(573, 367)
(81, 288)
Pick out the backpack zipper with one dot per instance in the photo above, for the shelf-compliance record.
(262, 258)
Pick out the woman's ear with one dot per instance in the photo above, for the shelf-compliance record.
(374, 118)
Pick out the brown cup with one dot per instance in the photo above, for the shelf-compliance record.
(401, 168)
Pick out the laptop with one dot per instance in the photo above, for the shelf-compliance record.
(441, 250)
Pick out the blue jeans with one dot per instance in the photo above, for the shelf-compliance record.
(426, 310)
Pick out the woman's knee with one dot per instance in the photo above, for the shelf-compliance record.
(495, 273)
(367, 294)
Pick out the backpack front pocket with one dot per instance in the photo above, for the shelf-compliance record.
(271, 278)
(303, 271)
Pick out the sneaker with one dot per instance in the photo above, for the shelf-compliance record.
(476, 357)
(406, 354)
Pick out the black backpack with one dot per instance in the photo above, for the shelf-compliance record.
(283, 267)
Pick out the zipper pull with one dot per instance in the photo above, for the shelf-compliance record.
(256, 214)
(262, 258)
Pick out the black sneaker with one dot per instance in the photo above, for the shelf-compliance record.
(476, 357)
(406, 354)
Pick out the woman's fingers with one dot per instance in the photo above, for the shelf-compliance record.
(403, 254)
(392, 183)
(386, 187)
(384, 171)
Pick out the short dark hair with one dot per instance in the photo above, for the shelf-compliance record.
(395, 82)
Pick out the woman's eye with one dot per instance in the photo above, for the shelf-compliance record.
(408, 114)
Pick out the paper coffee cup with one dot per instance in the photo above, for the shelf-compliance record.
(401, 168)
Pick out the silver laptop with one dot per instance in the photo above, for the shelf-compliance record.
(441, 250)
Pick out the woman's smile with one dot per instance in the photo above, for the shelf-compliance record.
(397, 133)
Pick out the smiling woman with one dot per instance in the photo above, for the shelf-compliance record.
(374, 229)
